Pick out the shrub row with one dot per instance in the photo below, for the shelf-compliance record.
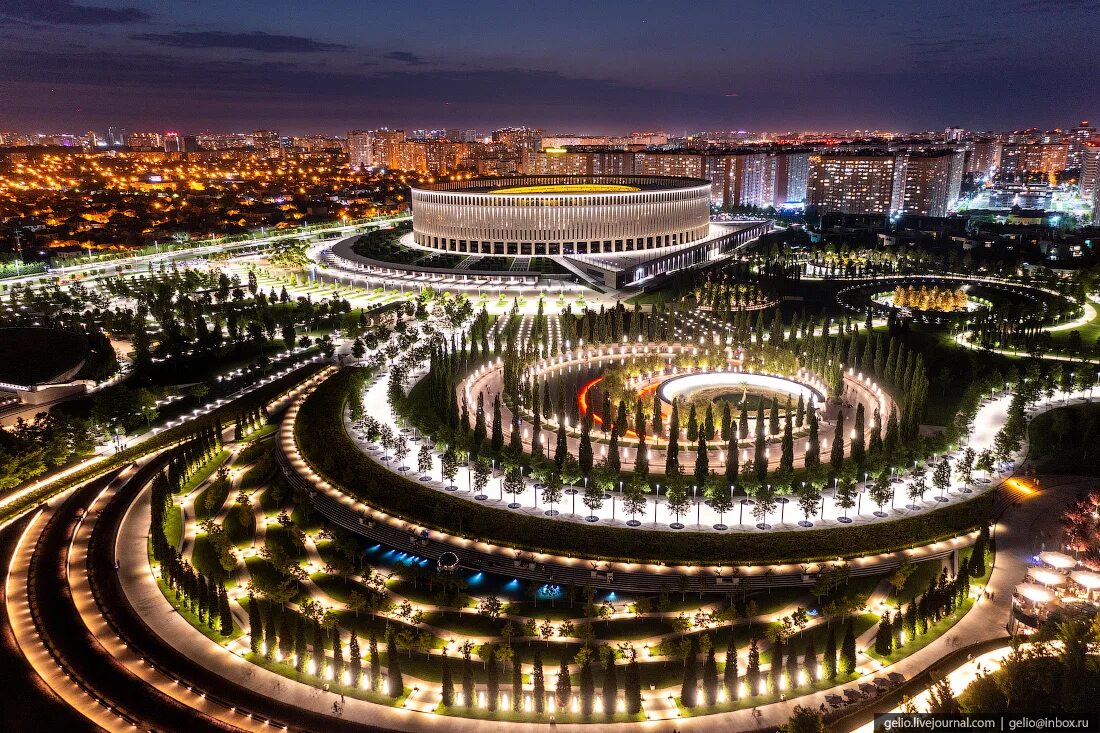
(224, 414)
(331, 452)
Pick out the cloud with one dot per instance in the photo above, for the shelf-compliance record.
(405, 57)
(257, 41)
(68, 12)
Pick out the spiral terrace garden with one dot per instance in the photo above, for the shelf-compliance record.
(579, 511)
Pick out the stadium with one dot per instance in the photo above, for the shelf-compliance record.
(561, 215)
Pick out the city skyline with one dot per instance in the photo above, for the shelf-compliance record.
(605, 69)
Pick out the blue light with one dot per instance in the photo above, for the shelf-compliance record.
(476, 578)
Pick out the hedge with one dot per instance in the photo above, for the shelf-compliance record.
(226, 413)
(331, 452)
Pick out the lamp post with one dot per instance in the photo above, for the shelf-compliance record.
(656, 499)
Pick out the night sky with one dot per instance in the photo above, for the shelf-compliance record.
(593, 66)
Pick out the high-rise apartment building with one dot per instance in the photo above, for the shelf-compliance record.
(928, 182)
(523, 142)
(1079, 136)
(856, 182)
(788, 176)
(367, 148)
(1021, 158)
(1089, 180)
(145, 140)
(739, 179)
(267, 143)
(691, 165)
(982, 157)
(584, 162)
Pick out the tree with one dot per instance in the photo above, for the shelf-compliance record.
(480, 470)
(497, 443)
(884, 635)
(255, 625)
(752, 670)
(710, 678)
(632, 689)
(448, 693)
(492, 678)
(395, 684)
(449, 465)
(941, 698)
(593, 499)
(467, 675)
(689, 685)
(882, 490)
(538, 684)
(375, 664)
(610, 683)
(836, 452)
(805, 720)
(634, 499)
(729, 672)
(719, 495)
(513, 483)
(941, 476)
(587, 686)
(677, 498)
(848, 650)
(424, 459)
(828, 659)
(563, 693)
(356, 661)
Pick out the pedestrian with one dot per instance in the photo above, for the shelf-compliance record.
(335, 708)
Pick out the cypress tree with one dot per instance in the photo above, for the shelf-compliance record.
(337, 656)
(752, 671)
(517, 684)
(633, 688)
(286, 636)
(689, 686)
(498, 427)
(356, 660)
(395, 684)
(884, 635)
(729, 674)
(301, 645)
(775, 672)
(492, 680)
(588, 688)
(255, 625)
(836, 452)
(828, 659)
(538, 685)
(809, 660)
(848, 650)
(467, 679)
(448, 694)
(375, 664)
(564, 691)
(318, 650)
(225, 616)
(610, 684)
(858, 447)
(790, 673)
(710, 678)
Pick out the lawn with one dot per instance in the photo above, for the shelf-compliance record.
(193, 619)
(205, 472)
(238, 534)
(465, 623)
(211, 499)
(632, 629)
(173, 526)
(205, 560)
